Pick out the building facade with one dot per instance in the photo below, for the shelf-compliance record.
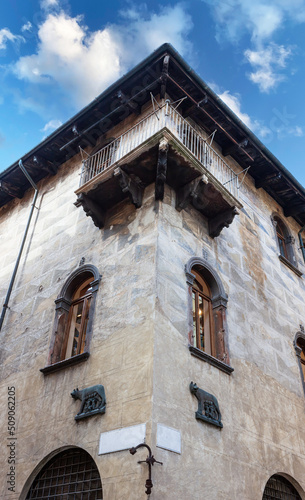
(158, 300)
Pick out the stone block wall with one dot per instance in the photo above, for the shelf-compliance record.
(139, 349)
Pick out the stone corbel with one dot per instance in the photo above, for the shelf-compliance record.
(217, 223)
(130, 186)
(161, 169)
(187, 193)
(93, 210)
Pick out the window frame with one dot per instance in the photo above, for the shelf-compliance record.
(285, 243)
(300, 338)
(62, 324)
(219, 356)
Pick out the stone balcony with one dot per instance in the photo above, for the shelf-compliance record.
(161, 148)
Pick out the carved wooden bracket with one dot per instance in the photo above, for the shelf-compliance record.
(93, 210)
(131, 186)
(127, 101)
(161, 169)
(12, 191)
(220, 221)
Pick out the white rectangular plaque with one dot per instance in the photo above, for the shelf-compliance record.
(168, 438)
(122, 439)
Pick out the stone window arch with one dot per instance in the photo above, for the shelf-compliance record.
(69, 474)
(74, 313)
(279, 488)
(207, 306)
(299, 345)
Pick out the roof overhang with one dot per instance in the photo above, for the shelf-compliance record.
(163, 72)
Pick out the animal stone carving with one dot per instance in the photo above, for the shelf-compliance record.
(93, 401)
(208, 408)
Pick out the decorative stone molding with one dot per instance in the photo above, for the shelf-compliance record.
(212, 278)
(197, 353)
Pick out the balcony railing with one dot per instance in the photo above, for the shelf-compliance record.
(164, 117)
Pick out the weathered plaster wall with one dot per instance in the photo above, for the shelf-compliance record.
(262, 402)
(122, 343)
(139, 348)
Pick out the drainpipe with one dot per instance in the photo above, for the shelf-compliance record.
(301, 242)
(9, 291)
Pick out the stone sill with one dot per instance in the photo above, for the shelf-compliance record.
(211, 360)
(60, 365)
(290, 265)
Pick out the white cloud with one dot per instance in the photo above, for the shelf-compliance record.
(6, 35)
(266, 63)
(27, 27)
(259, 19)
(83, 63)
(48, 4)
(51, 125)
(233, 102)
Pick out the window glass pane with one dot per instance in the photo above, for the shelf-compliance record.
(201, 322)
(282, 246)
(194, 319)
(77, 317)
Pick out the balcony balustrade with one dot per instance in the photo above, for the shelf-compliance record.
(161, 148)
(165, 117)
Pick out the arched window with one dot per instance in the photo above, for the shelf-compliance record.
(285, 244)
(279, 488)
(299, 345)
(74, 313)
(282, 237)
(207, 314)
(70, 474)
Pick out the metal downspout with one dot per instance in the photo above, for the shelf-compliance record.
(301, 242)
(9, 291)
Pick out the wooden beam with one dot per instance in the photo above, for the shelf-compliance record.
(194, 107)
(44, 164)
(234, 147)
(164, 76)
(264, 181)
(132, 186)
(161, 169)
(127, 101)
(12, 191)
(295, 209)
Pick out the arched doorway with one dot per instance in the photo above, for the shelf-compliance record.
(279, 488)
(71, 474)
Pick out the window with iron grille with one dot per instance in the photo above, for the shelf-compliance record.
(70, 475)
(278, 488)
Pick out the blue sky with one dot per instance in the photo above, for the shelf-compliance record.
(57, 55)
